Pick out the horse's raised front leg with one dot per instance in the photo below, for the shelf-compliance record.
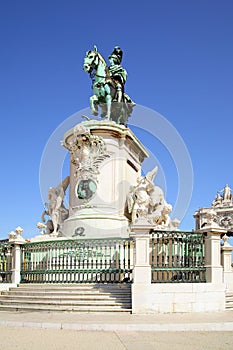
(93, 104)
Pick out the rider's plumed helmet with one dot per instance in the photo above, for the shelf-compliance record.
(117, 54)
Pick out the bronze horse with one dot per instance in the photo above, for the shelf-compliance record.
(105, 90)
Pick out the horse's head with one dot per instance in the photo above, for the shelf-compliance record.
(89, 61)
(92, 60)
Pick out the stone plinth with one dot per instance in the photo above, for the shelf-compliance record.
(214, 269)
(105, 160)
(142, 267)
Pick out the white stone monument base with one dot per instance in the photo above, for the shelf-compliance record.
(105, 161)
(96, 226)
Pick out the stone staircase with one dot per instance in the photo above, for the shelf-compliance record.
(65, 297)
(229, 301)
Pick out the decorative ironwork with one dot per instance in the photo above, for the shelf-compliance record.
(77, 261)
(177, 257)
(5, 262)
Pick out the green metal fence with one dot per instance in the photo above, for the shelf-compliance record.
(177, 257)
(77, 261)
(5, 262)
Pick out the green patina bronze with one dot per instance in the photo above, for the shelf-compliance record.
(108, 86)
(86, 189)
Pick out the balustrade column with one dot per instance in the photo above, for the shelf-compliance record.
(16, 263)
(214, 269)
(142, 267)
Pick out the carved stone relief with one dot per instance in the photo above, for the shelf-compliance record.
(220, 213)
(87, 153)
(146, 201)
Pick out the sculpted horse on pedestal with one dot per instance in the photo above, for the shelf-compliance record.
(115, 104)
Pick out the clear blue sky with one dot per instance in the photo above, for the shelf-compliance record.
(179, 58)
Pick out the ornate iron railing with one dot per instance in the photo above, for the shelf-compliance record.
(5, 262)
(77, 261)
(177, 257)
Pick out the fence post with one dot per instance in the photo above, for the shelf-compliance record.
(226, 260)
(214, 269)
(16, 262)
(142, 267)
(142, 270)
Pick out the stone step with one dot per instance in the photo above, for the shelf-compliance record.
(62, 302)
(70, 290)
(76, 288)
(65, 297)
(64, 308)
(229, 295)
(75, 285)
(97, 294)
(83, 300)
(229, 301)
(60, 297)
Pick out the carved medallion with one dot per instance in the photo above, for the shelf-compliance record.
(225, 220)
(87, 153)
(79, 231)
(86, 189)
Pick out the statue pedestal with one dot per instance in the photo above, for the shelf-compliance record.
(105, 160)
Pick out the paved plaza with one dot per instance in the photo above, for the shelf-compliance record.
(36, 331)
(13, 338)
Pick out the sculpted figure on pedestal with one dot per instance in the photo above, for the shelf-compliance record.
(160, 215)
(224, 199)
(108, 86)
(56, 208)
(227, 196)
(139, 199)
(145, 200)
(117, 72)
(221, 211)
(217, 201)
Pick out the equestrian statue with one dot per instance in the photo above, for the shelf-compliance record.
(108, 86)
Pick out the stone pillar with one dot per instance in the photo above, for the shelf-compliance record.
(214, 269)
(16, 262)
(226, 260)
(142, 267)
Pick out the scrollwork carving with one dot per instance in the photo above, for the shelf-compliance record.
(87, 151)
